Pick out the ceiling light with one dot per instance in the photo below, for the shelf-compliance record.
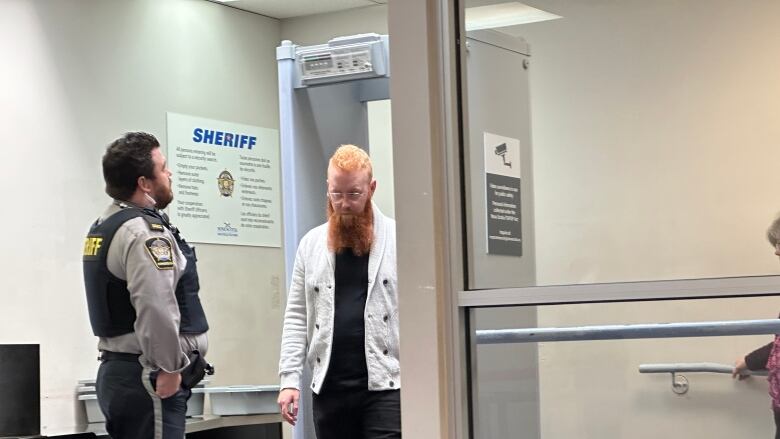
(504, 14)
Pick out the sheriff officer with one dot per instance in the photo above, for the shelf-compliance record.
(142, 294)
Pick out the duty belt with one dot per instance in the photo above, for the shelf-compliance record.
(118, 356)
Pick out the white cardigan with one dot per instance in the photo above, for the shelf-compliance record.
(308, 320)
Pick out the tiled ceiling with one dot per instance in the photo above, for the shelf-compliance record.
(296, 8)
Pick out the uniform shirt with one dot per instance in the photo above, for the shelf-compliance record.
(152, 293)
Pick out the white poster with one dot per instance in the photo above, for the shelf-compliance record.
(225, 181)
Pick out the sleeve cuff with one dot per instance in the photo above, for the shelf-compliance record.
(184, 361)
(290, 380)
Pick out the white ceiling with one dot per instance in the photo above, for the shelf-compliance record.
(296, 8)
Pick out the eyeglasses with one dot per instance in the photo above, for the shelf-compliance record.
(339, 196)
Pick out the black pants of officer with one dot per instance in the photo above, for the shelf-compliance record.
(357, 414)
(125, 392)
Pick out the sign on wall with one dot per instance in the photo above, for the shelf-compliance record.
(225, 181)
(502, 182)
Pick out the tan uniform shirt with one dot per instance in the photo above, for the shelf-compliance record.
(153, 295)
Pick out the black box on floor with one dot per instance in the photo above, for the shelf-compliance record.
(20, 398)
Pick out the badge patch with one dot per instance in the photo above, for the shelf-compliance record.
(226, 183)
(161, 252)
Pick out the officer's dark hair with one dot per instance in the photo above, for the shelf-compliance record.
(126, 159)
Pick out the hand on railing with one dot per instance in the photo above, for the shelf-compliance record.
(680, 383)
(741, 370)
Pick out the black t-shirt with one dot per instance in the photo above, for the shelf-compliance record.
(347, 369)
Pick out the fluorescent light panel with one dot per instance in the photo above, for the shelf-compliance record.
(504, 14)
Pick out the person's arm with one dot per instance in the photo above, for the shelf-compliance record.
(755, 360)
(294, 343)
(152, 272)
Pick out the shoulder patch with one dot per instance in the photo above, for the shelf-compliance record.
(161, 252)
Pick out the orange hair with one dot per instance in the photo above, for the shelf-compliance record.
(351, 158)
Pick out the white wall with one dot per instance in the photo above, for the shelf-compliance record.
(380, 139)
(655, 128)
(77, 75)
(318, 29)
(594, 390)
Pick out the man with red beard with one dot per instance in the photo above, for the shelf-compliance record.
(342, 312)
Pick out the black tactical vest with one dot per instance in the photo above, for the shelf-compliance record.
(111, 312)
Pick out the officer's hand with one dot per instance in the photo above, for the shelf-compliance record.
(288, 399)
(167, 384)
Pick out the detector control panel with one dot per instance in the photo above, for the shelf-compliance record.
(342, 59)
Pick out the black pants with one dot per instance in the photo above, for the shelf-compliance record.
(777, 423)
(357, 414)
(125, 392)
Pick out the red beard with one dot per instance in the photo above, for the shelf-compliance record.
(355, 231)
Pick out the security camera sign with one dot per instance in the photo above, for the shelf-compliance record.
(502, 183)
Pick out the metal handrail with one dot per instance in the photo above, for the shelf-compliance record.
(694, 367)
(624, 332)
(680, 384)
